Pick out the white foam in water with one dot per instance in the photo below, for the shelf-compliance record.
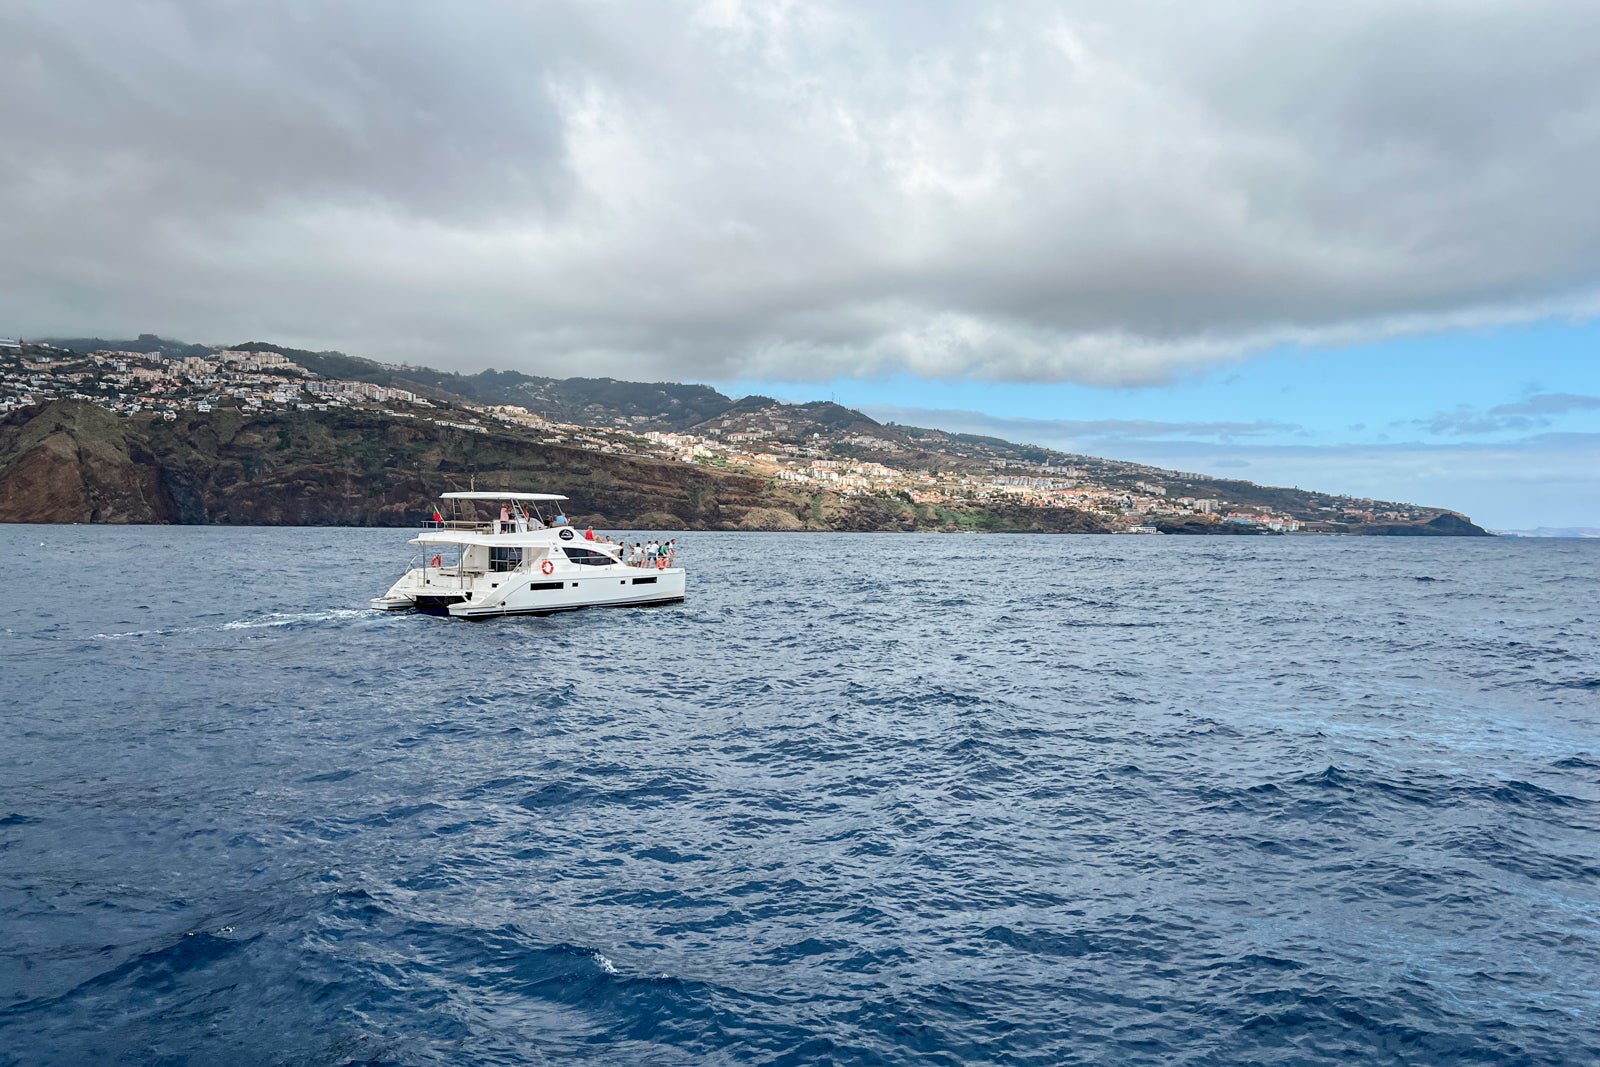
(274, 619)
(605, 964)
(279, 619)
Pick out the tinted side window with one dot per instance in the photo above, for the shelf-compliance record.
(587, 557)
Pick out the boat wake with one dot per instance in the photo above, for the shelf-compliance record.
(276, 619)
(268, 621)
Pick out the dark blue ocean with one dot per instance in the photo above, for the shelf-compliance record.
(873, 799)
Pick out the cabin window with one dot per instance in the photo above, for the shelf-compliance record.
(534, 587)
(504, 559)
(645, 581)
(587, 557)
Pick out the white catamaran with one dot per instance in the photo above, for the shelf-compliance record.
(521, 564)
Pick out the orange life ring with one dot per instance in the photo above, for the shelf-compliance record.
(435, 561)
(547, 567)
(661, 563)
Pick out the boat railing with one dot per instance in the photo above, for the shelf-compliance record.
(488, 526)
(453, 573)
(462, 525)
(441, 575)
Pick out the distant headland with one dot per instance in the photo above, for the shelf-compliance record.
(150, 430)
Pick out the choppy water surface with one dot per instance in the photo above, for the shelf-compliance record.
(875, 799)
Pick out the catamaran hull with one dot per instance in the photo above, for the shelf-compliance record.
(467, 611)
(537, 594)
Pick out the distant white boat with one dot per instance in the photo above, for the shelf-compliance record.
(521, 564)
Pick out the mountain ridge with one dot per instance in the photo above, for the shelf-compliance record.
(829, 432)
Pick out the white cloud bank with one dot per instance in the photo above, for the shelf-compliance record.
(1019, 191)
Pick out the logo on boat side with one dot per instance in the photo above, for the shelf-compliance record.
(566, 535)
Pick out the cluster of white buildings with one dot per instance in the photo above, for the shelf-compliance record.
(132, 382)
(362, 392)
(1018, 481)
(248, 361)
(852, 478)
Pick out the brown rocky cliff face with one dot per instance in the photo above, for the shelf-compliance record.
(45, 484)
(73, 462)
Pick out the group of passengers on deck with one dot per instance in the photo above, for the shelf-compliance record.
(641, 554)
(650, 553)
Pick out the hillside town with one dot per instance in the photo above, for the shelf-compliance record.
(769, 442)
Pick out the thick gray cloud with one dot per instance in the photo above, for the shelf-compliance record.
(1030, 191)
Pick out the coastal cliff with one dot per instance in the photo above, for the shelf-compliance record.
(75, 462)
(252, 434)
(1445, 524)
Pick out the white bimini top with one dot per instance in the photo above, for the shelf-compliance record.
(523, 526)
(502, 496)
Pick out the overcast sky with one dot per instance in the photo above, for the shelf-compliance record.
(1100, 202)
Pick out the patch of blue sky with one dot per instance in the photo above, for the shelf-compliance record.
(1426, 388)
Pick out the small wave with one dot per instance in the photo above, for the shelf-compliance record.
(1513, 852)
(163, 966)
(1576, 683)
(333, 776)
(1336, 792)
